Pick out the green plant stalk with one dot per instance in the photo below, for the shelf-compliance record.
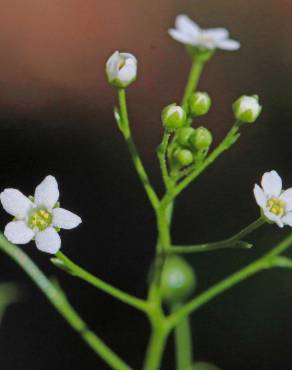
(233, 242)
(183, 342)
(126, 130)
(78, 271)
(161, 153)
(267, 261)
(61, 304)
(193, 79)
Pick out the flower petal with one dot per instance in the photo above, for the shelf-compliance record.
(186, 25)
(272, 217)
(65, 219)
(217, 34)
(47, 192)
(228, 44)
(18, 232)
(287, 219)
(272, 183)
(48, 241)
(15, 203)
(183, 37)
(260, 196)
(286, 197)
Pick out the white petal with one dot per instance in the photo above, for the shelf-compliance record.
(286, 197)
(272, 184)
(228, 45)
(272, 217)
(185, 24)
(216, 33)
(65, 219)
(48, 241)
(47, 192)
(15, 203)
(260, 197)
(183, 37)
(287, 219)
(18, 232)
(128, 72)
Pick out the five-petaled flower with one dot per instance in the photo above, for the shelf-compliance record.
(188, 32)
(275, 203)
(37, 218)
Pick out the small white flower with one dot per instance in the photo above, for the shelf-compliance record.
(188, 32)
(121, 69)
(38, 218)
(275, 203)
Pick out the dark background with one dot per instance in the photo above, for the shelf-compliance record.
(56, 118)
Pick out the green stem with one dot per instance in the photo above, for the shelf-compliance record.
(126, 130)
(162, 149)
(183, 343)
(62, 305)
(267, 261)
(100, 284)
(193, 79)
(155, 348)
(229, 140)
(233, 242)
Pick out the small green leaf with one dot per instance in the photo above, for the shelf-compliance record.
(61, 265)
(281, 261)
(118, 118)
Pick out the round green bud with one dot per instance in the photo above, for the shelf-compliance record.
(201, 139)
(183, 135)
(173, 117)
(203, 366)
(184, 156)
(247, 108)
(178, 280)
(199, 103)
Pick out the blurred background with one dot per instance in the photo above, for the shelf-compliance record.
(56, 118)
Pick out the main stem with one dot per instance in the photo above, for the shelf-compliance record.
(62, 305)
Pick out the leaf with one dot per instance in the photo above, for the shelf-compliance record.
(61, 265)
(281, 261)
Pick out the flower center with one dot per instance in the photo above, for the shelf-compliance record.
(205, 39)
(276, 206)
(40, 218)
(121, 64)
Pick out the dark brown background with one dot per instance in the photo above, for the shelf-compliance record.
(56, 117)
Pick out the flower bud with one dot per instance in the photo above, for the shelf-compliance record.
(247, 108)
(199, 104)
(184, 157)
(183, 135)
(201, 139)
(173, 116)
(121, 69)
(178, 280)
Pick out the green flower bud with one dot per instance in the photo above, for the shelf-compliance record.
(178, 280)
(184, 157)
(247, 108)
(199, 103)
(204, 366)
(183, 135)
(201, 139)
(173, 116)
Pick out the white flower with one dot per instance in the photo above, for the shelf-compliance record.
(275, 203)
(121, 69)
(38, 218)
(188, 32)
(247, 108)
